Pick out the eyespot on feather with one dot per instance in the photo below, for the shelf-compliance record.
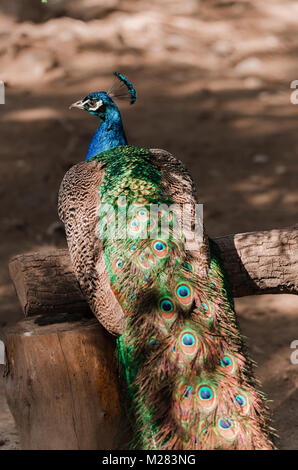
(142, 214)
(188, 343)
(160, 248)
(228, 363)
(184, 293)
(242, 400)
(167, 311)
(227, 428)
(143, 261)
(117, 265)
(206, 396)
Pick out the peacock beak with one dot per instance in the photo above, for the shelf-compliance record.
(77, 104)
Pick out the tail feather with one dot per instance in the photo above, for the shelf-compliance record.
(189, 377)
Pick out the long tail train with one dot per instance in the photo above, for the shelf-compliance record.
(189, 377)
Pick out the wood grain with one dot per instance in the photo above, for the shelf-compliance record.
(61, 385)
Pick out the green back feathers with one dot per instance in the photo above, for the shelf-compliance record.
(129, 172)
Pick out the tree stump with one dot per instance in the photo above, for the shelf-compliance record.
(61, 385)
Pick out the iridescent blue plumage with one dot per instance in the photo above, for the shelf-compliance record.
(110, 133)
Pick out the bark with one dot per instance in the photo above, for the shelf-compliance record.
(263, 262)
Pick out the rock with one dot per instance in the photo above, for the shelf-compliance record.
(260, 158)
(223, 48)
(280, 169)
(21, 163)
(252, 83)
(248, 66)
(272, 42)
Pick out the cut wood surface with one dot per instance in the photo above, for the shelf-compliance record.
(61, 385)
(256, 262)
(45, 282)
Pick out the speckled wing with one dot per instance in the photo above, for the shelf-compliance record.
(77, 208)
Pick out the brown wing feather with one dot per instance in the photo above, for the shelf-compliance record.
(77, 206)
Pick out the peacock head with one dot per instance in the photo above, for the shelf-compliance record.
(99, 102)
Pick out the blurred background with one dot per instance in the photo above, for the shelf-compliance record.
(213, 79)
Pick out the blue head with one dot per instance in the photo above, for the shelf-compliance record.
(99, 103)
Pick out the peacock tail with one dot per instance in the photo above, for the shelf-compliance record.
(187, 372)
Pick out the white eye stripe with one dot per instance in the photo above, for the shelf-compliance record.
(98, 104)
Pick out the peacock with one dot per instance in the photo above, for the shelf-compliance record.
(187, 375)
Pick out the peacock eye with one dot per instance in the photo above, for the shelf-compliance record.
(91, 103)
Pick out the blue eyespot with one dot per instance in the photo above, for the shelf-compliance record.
(134, 223)
(119, 263)
(166, 305)
(188, 339)
(205, 306)
(187, 266)
(225, 423)
(205, 393)
(187, 391)
(183, 291)
(153, 341)
(241, 400)
(159, 246)
(225, 362)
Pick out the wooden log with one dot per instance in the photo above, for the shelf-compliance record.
(264, 262)
(45, 283)
(61, 385)
(256, 263)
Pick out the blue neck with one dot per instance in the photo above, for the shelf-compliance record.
(109, 134)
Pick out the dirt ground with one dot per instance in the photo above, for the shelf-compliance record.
(213, 79)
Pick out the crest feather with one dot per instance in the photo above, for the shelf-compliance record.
(122, 89)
